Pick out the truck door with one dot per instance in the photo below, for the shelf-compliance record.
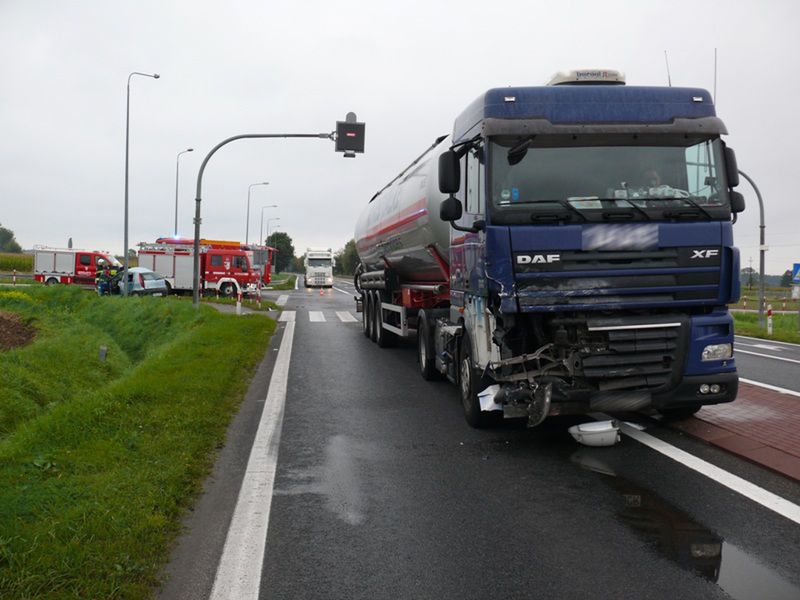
(84, 268)
(466, 249)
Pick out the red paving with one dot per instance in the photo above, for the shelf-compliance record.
(761, 425)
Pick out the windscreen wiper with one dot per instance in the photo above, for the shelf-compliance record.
(637, 208)
(691, 203)
(551, 216)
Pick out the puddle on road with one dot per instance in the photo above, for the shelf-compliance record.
(675, 535)
(336, 480)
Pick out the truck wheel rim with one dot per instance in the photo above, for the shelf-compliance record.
(465, 380)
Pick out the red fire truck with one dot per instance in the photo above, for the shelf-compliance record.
(68, 265)
(225, 267)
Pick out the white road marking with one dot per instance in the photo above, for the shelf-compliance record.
(776, 342)
(239, 571)
(297, 283)
(749, 490)
(346, 317)
(316, 316)
(287, 315)
(282, 299)
(791, 360)
(768, 386)
(343, 291)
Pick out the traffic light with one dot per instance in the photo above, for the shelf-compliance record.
(350, 136)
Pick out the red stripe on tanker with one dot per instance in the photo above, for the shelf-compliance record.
(392, 229)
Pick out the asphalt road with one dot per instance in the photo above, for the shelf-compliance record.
(381, 490)
(776, 363)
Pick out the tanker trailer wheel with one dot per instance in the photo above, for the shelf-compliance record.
(470, 384)
(426, 349)
(383, 337)
(366, 316)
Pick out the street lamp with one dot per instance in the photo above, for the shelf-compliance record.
(261, 230)
(127, 147)
(268, 225)
(762, 248)
(249, 189)
(177, 165)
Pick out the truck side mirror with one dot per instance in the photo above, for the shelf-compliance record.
(731, 169)
(737, 202)
(449, 173)
(450, 209)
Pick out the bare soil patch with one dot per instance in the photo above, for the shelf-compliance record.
(14, 332)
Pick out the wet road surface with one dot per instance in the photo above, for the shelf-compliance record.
(381, 490)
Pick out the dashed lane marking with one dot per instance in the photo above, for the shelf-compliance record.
(316, 316)
(287, 315)
(346, 317)
(341, 291)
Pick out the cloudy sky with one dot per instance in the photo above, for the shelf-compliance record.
(406, 68)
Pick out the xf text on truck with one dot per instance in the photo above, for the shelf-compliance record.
(567, 249)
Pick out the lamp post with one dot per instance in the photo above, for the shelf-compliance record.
(762, 248)
(249, 189)
(268, 225)
(127, 148)
(261, 230)
(177, 166)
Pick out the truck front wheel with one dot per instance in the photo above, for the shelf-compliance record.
(228, 290)
(426, 348)
(469, 382)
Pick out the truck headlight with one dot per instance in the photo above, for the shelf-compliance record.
(717, 352)
(330, 280)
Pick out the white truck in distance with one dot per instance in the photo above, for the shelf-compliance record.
(319, 267)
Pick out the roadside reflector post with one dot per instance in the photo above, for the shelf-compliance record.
(769, 319)
(14, 278)
(258, 297)
(744, 300)
(103, 353)
(239, 302)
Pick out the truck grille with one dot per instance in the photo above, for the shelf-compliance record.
(601, 277)
(632, 359)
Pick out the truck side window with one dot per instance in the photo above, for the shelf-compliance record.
(86, 259)
(216, 260)
(474, 183)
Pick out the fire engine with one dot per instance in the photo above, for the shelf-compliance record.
(68, 265)
(226, 267)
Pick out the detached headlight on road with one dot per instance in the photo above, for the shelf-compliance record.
(717, 352)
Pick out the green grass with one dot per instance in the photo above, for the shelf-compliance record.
(784, 327)
(287, 284)
(99, 460)
(21, 262)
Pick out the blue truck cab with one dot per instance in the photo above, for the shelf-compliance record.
(591, 250)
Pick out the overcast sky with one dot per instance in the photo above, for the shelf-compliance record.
(406, 68)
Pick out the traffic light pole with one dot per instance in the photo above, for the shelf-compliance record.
(197, 219)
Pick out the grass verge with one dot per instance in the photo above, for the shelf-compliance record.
(95, 475)
(784, 327)
(288, 284)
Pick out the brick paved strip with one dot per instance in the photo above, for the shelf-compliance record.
(762, 426)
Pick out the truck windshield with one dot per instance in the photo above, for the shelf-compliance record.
(319, 262)
(620, 172)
